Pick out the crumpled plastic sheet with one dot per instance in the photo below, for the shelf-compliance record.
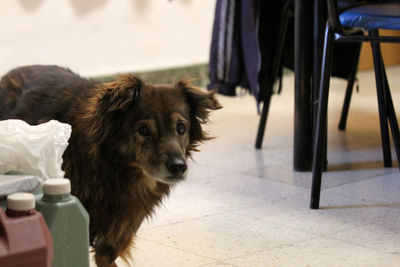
(33, 149)
(18, 183)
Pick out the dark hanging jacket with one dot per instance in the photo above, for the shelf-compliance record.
(244, 42)
(235, 58)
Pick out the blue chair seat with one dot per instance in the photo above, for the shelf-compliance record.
(372, 16)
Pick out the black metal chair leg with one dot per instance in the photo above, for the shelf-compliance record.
(392, 117)
(320, 132)
(376, 51)
(263, 121)
(275, 70)
(349, 92)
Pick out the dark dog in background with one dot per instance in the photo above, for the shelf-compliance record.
(129, 142)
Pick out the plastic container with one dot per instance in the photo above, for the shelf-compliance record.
(68, 222)
(25, 239)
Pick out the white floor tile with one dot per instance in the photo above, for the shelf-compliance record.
(150, 254)
(383, 189)
(224, 236)
(293, 212)
(213, 195)
(372, 236)
(319, 252)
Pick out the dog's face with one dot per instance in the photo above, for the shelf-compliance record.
(156, 127)
(160, 138)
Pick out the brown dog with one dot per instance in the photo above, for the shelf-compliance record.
(129, 142)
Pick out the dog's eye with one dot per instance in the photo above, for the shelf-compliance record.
(144, 130)
(180, 128)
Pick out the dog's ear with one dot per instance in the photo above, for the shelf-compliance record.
(200, 103)
(104, 109)
(121, 94)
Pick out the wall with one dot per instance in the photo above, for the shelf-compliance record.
(96, 37)
(390, 53)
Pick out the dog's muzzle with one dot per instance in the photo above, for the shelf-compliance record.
(176, 167)
(171, 171)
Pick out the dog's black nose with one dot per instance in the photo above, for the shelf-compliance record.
(176, 166)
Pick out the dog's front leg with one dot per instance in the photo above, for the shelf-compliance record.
(106, 253)
(105, 256)
(102, 261)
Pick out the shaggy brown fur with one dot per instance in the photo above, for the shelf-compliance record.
(129, 142)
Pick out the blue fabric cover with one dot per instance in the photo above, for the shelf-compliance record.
(372, 16)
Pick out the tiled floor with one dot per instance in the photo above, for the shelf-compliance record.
(247, 207)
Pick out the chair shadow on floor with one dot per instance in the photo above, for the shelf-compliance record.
(363, 206)
(358, 166)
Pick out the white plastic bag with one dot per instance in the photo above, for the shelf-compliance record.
(18, 183)
(34, 150)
